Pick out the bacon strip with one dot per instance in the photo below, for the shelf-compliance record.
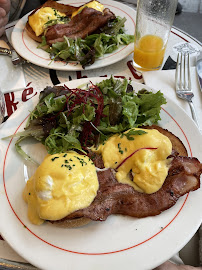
(81, 25)
(117, 198)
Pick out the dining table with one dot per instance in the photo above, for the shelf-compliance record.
(20, 84)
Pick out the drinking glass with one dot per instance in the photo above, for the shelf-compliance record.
(2, 107)
(153, 24)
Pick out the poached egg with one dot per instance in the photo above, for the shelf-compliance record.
(62, 184)
(38, 20)
(93, 4)
(148, 167)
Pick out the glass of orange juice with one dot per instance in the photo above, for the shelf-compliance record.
(154, 19)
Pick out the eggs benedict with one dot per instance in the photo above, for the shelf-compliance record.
(42, 16)
(139, 174)
(54, 21)
(62, 184)
(148, 166)
(92, 4)
(51, 12)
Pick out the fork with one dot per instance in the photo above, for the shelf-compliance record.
(183, 82)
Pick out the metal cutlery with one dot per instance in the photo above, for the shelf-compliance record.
(199, 68)
(11, 265)
(5, 51)
(183, 82)
(15, 57)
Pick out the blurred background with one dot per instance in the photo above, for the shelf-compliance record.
(190, 19)
(188, 16)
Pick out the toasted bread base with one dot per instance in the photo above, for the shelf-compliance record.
(72, 223)
(31, 33)
(177, 144)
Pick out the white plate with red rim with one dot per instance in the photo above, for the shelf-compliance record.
(119, 242)
(27, 47)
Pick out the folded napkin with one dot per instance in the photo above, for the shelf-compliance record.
(164, 80)
(12, 77)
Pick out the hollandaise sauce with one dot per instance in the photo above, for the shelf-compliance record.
(42, 16)
(144, 169)
(93, 4)
(149, 52)
(62, 184)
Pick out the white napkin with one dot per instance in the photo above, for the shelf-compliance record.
(164, 80)
(12, 77)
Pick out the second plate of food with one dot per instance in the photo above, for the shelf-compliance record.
(28, 48)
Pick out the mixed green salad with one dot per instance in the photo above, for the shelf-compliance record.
(87, 50)
(66, 119)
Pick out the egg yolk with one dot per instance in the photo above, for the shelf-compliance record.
(42, 16)
(146, 169)
(62, 184)
(93, 4)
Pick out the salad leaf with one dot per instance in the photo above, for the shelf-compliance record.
(130, 110)
(114, 27)
(131, 132)
(66, 119)
(149, 107)
(86, 51)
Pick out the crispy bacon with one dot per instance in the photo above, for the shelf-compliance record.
(81, 25)
(117, 198)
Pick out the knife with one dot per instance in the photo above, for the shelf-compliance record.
(15, 57)
(199, 68)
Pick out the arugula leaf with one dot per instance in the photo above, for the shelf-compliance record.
(58, 143)
(43, 42)
(132, 132)
(87, 50)
(22, 152)
(114, 27)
